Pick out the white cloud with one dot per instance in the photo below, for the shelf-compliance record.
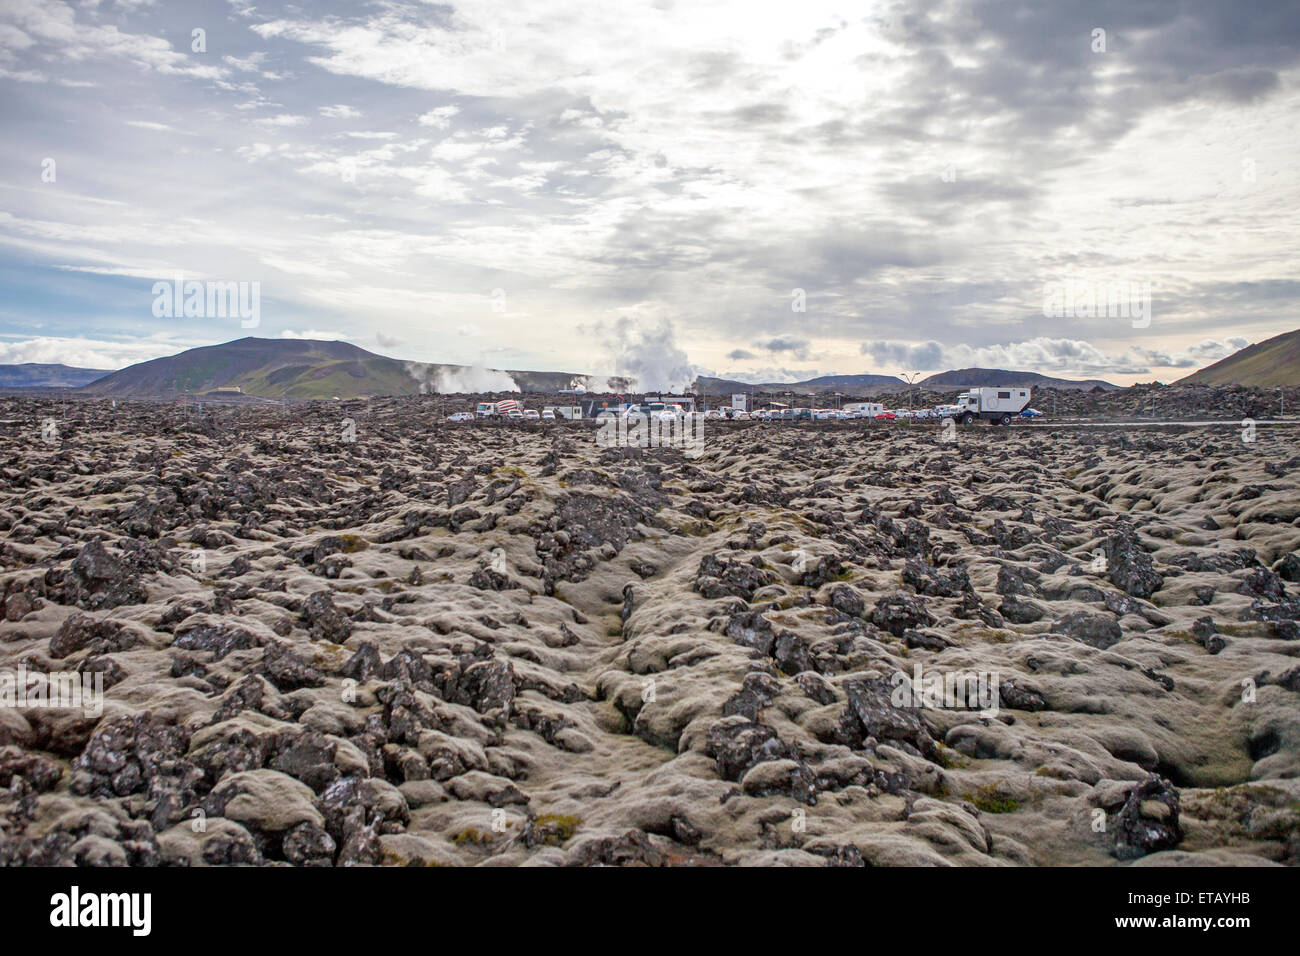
(89, 353)
(1060, 356)
(683, 162)
(317, 334)
(439, 118)
(282, 120)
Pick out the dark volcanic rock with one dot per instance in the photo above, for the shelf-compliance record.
(719, 578)
(220, 639)
(927, 580)
(1148, 821)
(79, 631)
(898, 612)
(1019, 611)
(325, 621)
(739, 745)
(1097, 630)
(1128, 566)
(125, 755)
(872, 713)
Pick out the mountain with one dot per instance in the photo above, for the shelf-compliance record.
(882, 384)
(976, 377)
(709, 385)
(306, 369)
(36, 375)
(1266, 364)
(832, 381)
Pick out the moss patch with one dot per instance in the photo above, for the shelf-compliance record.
(991, 800)
(471, 836)
(352, 543)
(554, 828)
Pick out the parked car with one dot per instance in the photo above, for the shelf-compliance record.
(1031, 413)
(532, 414)
(740, 415)
(886, 417)
(548, 415)
(460, 417)
(654, 410)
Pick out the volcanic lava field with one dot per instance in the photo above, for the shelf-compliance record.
(499, 643)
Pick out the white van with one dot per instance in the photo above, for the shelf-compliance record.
(992, 404)
(862, 409)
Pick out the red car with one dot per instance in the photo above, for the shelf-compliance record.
(886, 417)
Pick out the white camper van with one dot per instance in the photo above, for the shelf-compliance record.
(862, 409)
(993, 404)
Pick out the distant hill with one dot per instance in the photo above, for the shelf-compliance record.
(832, 381)
(1266, 364)
(881, 384)
(37, 375)
(307, 369)
(977, 377)
(710, 385)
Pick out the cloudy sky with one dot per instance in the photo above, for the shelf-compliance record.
(615, 186)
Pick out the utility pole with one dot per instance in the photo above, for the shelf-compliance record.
(910, 378)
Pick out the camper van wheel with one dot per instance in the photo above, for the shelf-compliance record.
(967, 418)
(1005, 420)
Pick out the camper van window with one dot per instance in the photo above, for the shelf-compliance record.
(1004, 394)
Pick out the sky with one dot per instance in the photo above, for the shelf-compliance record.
(763, 191)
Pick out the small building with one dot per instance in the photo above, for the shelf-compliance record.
(685, 402)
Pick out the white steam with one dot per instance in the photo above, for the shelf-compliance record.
(463, 379)
(647, 353)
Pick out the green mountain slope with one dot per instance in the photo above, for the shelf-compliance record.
(1270, 363)
(305, 369)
